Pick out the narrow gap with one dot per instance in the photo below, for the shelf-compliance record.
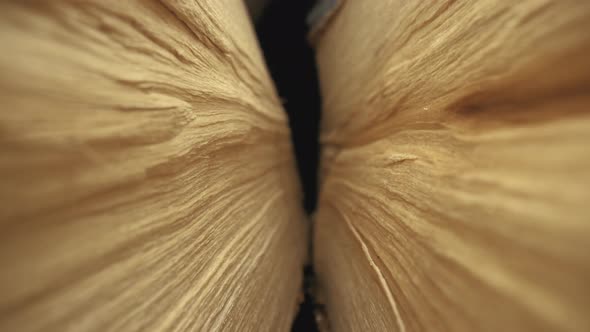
(282, 33)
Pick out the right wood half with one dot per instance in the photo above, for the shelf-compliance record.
(455, 189)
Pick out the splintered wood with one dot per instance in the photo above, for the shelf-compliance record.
(147, 178)
(455, 189)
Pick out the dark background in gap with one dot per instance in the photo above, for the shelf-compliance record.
(282, 33)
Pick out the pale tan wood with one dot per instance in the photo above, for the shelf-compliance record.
(147, 178)
(455, 190)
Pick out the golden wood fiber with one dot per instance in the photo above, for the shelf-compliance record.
(147, 178)
(455, 190)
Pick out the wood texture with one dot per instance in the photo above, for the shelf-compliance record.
(456, 166)
(147, 179)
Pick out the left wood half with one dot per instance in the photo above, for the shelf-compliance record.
(147, 178)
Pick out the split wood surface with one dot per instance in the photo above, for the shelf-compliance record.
(147, 180)
(455, 190)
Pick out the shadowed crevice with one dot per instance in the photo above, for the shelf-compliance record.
(282, 33)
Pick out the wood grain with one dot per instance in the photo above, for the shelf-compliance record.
(147, 178)
(456, 166)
